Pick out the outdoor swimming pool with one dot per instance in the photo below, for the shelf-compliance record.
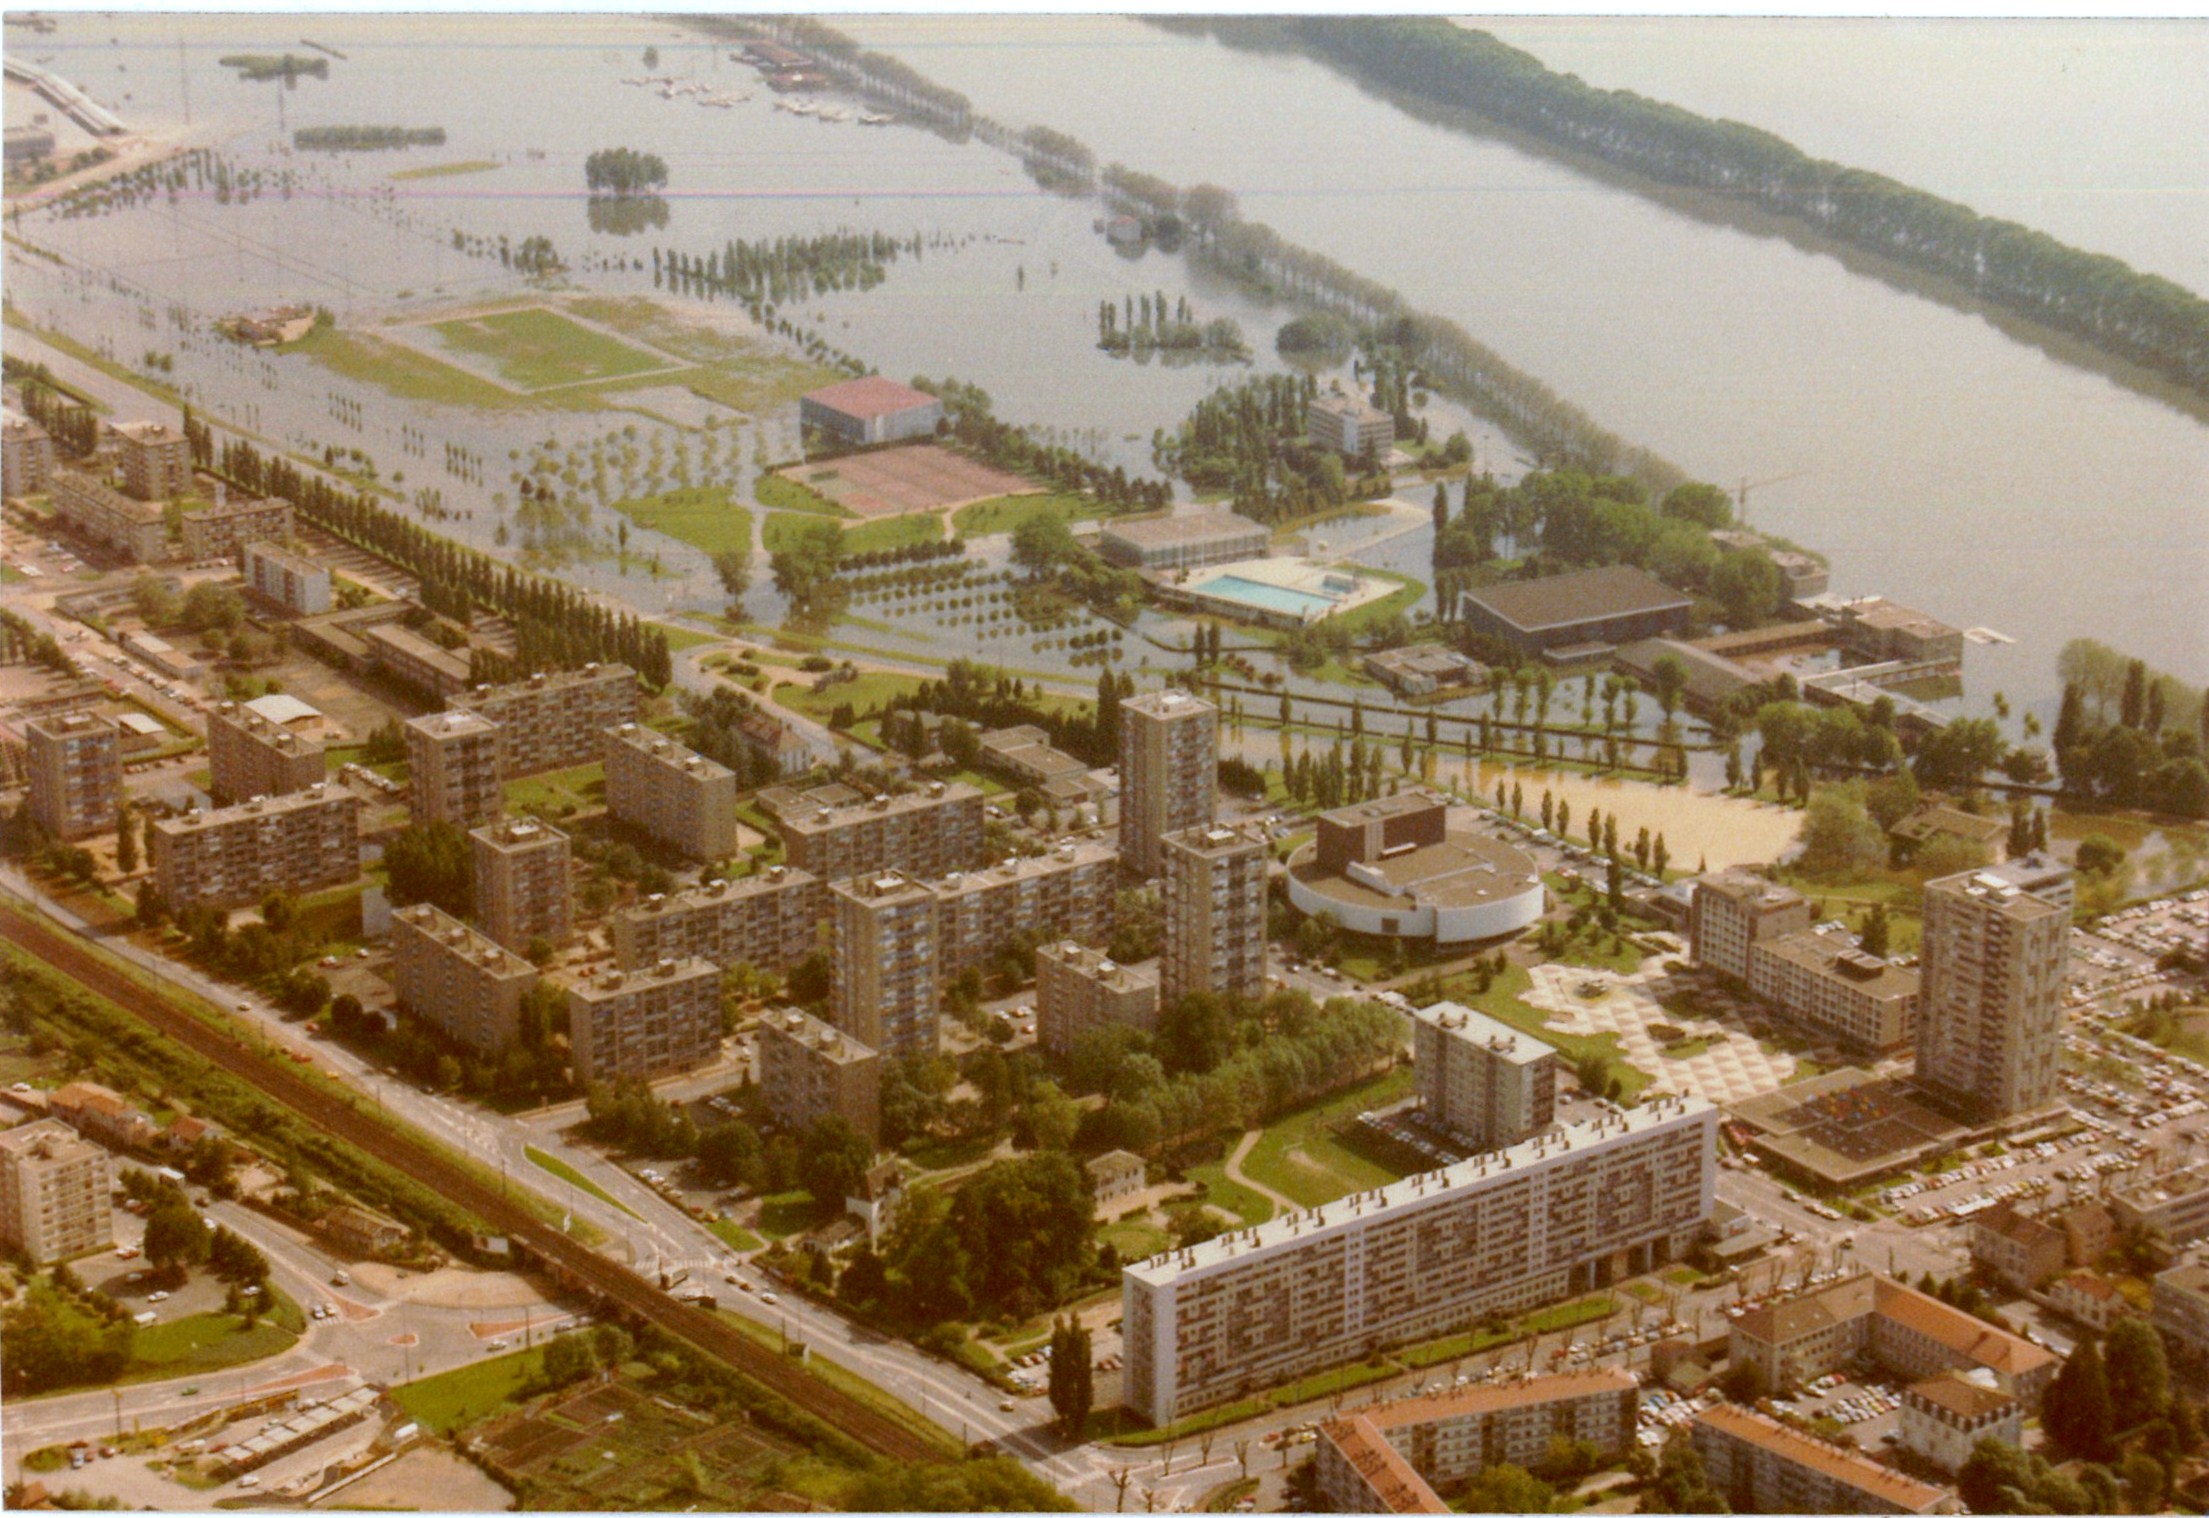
(1302, 604)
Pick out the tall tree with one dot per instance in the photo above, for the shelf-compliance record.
(1073, 1378)
(2138, 1374)
(2076, 1409)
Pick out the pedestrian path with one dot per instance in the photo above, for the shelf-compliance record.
(1733, 1068)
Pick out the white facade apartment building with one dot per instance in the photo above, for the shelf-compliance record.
(1733, 911)
(1824, 984)
(1531, 1224)
(1169, 771)
(53, 1192)
(1994, 951)
(283, 578)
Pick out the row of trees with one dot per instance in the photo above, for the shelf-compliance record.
(2138, 756)
(969, 420)
(2143, 318)
(770, 272)
(365, 139)
(556, 626)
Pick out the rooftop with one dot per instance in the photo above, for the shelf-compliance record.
(1100, 966)
(1167, 703)
(775, 877)
(1430, 1188)
(1398, 1487)
(614, 984)
(1196, 527)
(658, 745)
(455, 723)
(1217, 839)
(1496, 1397)
(283, 710)
(1587, 595)
(518, 833)
(1836, 955)
(1968, 1394)
(459, 938)
(1069, 854)
(1465, 869)
(824, 1039)
(1929, 820)
(1500, 1039)
(406, 641)
(317, 795)
(1741, 886)
(871, 396)
(801, 819)
(1349, 405)
(1846, 1466)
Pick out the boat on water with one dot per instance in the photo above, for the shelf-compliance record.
(797, 107)
(875, 118)
(834, 113)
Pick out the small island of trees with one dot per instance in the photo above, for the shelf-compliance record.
(365, 139)
(624, 171)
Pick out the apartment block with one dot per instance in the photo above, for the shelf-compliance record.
(136, 529)
(1760, 1465)
(156, 459)
(1066, 893)
(682, 798)
(1213, 880)
(524, 890)
(1078, 988)
(887, 976)
(925, 833)
(454, 768)
(298, 843)
(1558, 1214)
(290, 580)
(412, 659)
(222, 530)
(1483, 1082)
(809, 1070)
(76, 773)
(772, 919)
(1452, 1437)
(249, 756)
(1825, 985)
(53, 1193)
(1733, 911)
(2178, 1305)
(1169, 772)
(26, 456)
(1903, 1330)
(2172, 1201)
(457, 980)
(1995, 947)
(1349, 425)
(642, 1024)
(557, 720)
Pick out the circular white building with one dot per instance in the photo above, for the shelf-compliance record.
(1393, 868)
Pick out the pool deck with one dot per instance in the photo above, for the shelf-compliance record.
(1281, 592)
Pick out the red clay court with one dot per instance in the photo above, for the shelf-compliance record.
(894, 481)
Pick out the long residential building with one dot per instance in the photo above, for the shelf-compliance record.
(284, 578)
(222, 530)
(1483, 1082)
(1994, 951)
(557, 720)
(294, 844)
(1066, 893)
(886, 978)
(684, 799)
(772, 920)
(1214, 889)
(136, 529)
(642, 1024)
(249, 756)
(53, 1192)
(1733, 911)
(1169, 771)
(412, 659)
(1560, 1213)
(929, 833)
(524, 889)
(1760, 1465)
(1827, 986)
(1389, 1458)
(76, 773)
(1793, 1342)
(1079, 988)
(809, 1070)
(457, 980)
(454, 768)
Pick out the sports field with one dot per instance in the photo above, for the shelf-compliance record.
(535, 348)
(893, 481)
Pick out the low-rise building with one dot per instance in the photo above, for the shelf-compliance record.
(682, 798)
(2174, 1202)
(1188, 541)
(1350, 426)
(454, 768)
(100, 1113)
(1901, 1329)
(249, 756)
(26, 456)
(360, 1231)
(642, 1024)
(161, 656)
(1454, 1436)
(76, 773)
(414, 660)
(771, 919)
(1114, 1177)
(1392, 867)
(809, 1070)
(1882, 631)
(1989, 836)
(870, 409)
(1483, 1082)
(1025, 755)
(293, 844)
(283, 578)
(53, 1193)
(1826, 985)
(524, 890)
(1426, 669)
(2088, 1297)
(774, 744)
(457, 980)
(1760, 1465)
(136, 529)
(2021, 1250)
(1945, 1416)
(1078, 988)
(1588, 608)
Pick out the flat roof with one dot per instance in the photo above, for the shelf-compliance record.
(871, 396)
(1587, 595)
(1499, 1039)
(1402, 804)
(806, 818)
(654, 744)
(413, 644)
(1197, 527)
(824, 1039)
(282, 709)
(1349, 405)
(1828, 955)
(457, 937)
(451, 723)
(1465, 869)
(617, 983)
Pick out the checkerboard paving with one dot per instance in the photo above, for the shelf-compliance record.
(1732, 1069)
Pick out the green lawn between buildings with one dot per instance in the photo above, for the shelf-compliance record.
(1300, 1157)
(782, 528)
(1006, 513)
(460, 1397)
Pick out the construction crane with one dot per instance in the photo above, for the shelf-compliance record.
(1741, 496)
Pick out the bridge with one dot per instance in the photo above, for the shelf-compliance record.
(67, 98)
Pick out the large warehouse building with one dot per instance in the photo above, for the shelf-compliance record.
(871, 410)
(1563, 614)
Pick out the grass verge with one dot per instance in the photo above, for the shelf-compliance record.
(552, 1164)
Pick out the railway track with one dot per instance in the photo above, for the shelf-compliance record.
(611, 1282)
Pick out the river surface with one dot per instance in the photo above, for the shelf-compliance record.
(1930, 456)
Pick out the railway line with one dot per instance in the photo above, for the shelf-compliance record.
(613, 1284)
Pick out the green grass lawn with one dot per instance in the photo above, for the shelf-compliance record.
(786, 1213)
(1005, 513)
(1503, 1001)
(680, 638)
(782, 528)
(446, 170)
(703, 516)
(867, 693)
(473, 1392)
(1300, 1157)
(559, 793)
(1398, 601)
(399, 369)
(554, 1165)
(781, 494)
(536, 347)
(1134, 1239)
(1230, 1196)
(213, 1341)
(742, 1240)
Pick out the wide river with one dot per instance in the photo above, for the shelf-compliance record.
(1929, 455)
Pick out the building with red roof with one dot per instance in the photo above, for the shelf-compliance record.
(870, 410)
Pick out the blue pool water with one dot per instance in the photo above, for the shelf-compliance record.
(1295, 603)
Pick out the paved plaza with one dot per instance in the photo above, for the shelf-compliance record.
(1732, 1068)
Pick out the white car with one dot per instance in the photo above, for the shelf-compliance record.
(769, 1298)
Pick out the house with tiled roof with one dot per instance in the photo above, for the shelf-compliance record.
(1900, 1329)
(1760, 1465)
(1945, 1416)
(2088, 1297)
(97, 1112)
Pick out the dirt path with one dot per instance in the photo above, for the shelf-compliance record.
(1234, 1169)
